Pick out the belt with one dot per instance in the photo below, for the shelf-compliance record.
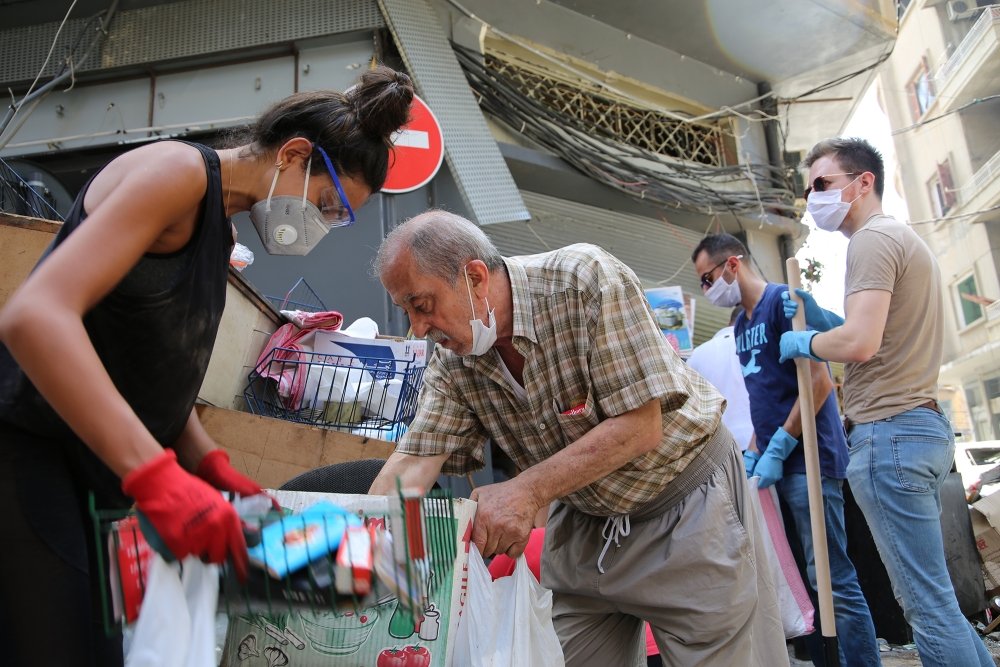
(930, 405)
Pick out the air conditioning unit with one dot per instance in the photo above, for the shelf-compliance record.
(960, 9)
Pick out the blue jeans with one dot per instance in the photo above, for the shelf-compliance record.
(855, 630)
(896, 470)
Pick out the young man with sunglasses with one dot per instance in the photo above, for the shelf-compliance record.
(728, 280)
(901, 445)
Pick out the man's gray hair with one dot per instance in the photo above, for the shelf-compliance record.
(440, 243)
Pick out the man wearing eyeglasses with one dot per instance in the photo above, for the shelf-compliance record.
(727, 279)
(901, 445)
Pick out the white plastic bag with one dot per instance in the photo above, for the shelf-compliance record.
(241, 257)
(176, 626)
(507, 622)
(328, 383)
(797, 612)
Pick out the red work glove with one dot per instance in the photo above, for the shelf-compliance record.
(190, 516)
(216, 469)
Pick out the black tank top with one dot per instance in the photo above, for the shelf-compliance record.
(154, 332)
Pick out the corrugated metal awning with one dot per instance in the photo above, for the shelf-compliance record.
(479, 170)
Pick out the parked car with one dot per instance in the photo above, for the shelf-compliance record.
(979, 460)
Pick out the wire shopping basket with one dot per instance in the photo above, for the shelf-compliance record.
(300, 297)
(368, 395)
(410, 578)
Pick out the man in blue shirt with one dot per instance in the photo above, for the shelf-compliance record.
(728, 279)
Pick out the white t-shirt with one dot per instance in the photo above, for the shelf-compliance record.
(717, 362)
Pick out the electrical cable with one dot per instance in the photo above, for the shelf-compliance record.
(723, 112)
(927, 121)
(66, 71)
(631, 169)
(45, 62)
(949, 218)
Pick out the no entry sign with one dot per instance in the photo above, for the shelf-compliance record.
(418, 151)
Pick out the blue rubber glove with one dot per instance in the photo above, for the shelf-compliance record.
(771, 465)
(818, 318)
(797, 344)
(750, 459)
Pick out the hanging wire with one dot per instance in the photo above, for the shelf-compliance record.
(52, 47)
(928, 121)
(71, 62)
(959, 216)
(631, 169)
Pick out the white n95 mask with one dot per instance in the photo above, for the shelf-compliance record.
(483, 336)
(288, 225)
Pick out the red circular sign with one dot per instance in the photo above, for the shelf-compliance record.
(417, 153)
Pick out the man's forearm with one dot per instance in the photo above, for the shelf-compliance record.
(860, 337)
(604, 449)
(821, 388)
(412, 471)
(843, 344)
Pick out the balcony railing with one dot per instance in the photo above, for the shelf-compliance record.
(981, 178)
(993, 311)
(990, 15)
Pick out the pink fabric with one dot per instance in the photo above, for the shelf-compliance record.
(502, 565)
(324, 319)
(293, 341)
(651, 647)
(776, 531)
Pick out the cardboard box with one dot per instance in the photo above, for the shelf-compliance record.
(380, 635)
(985, 525)
(384, 356)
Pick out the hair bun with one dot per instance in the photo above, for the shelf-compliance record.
(382, 100)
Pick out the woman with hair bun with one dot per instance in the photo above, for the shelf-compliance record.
(105, 346)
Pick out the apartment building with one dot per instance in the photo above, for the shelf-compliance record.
(941, 90)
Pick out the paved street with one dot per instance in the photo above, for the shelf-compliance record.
(906, 656)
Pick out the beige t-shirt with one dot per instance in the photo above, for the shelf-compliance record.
(888, 255)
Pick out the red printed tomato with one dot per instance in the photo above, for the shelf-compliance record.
(417, 656)
(391, 657)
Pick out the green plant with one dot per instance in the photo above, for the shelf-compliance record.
(812, 272)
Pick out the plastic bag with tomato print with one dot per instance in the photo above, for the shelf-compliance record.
(507, 622)
(410, 656)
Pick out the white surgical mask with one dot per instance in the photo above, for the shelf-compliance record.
(287, 225)
(723, 294)
(827, 209)
(483, 337)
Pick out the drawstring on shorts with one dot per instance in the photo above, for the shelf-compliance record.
(615, 528)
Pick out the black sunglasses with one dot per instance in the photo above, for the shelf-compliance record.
(819, 185)
(706, 278)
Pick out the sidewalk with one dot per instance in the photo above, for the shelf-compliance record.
(906, 656)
